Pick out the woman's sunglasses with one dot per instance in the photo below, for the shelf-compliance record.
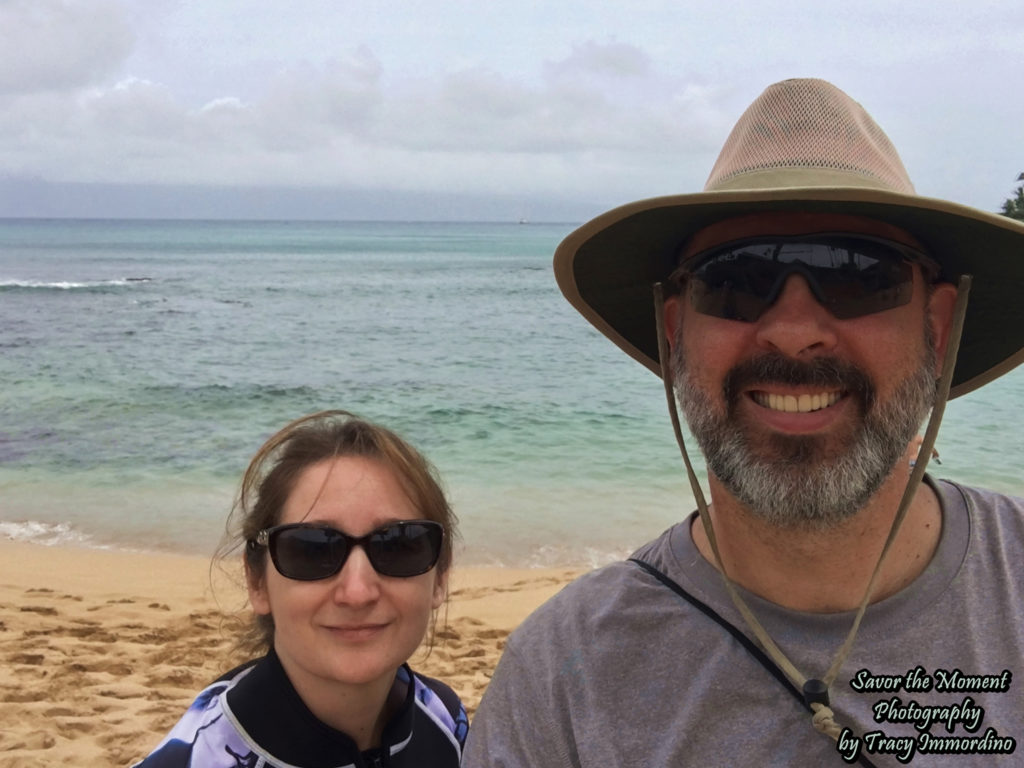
(850, 274)
(309, 551)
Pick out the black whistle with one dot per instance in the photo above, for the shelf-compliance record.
(815, 691)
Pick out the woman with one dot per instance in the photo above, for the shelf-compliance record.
(348, 542)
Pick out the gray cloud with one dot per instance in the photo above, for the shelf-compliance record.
(575, 107)
(60, 44)
(610, 59)
(344, 122)
(244, 94)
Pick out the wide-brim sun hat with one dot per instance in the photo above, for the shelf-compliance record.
(802, 146)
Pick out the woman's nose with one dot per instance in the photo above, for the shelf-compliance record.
(358, 583)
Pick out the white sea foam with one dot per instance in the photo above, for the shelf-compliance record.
(67, 285)
(47, 534)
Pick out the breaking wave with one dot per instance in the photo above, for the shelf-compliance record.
(69, 285)
(47, 534)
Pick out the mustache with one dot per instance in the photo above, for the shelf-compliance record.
(821, 373)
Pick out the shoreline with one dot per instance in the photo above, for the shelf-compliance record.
(523, 555)
(127, 639)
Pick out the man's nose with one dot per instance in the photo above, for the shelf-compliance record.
(797, 325)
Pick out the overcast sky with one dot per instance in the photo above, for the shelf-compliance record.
(469, 108)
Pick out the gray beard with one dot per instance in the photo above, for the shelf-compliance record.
(792, 483)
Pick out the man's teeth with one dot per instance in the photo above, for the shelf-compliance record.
(794, 403)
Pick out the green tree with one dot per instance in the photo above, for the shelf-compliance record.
(1014, 206)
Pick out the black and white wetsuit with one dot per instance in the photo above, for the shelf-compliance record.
(252, 717)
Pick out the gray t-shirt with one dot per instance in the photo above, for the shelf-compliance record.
(618, 670)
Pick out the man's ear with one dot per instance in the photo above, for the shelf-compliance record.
(672, 314)
(941, 303)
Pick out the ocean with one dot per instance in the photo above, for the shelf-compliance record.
(142, 363)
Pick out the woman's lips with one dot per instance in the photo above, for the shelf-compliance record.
(357, 632)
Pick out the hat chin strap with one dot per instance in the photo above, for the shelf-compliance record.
(816, 691)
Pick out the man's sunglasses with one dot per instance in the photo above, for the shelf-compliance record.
(310, 551)
(850, 274)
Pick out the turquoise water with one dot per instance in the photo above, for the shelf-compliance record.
(143, 363)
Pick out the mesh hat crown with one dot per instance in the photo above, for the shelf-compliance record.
(807, 131)
(802, 146)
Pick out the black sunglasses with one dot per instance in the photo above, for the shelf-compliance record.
(850, 274)
(310, 551)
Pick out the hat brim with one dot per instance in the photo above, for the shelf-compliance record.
(606, 267)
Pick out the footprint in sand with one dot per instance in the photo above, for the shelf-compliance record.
(26, 658)
(60, 712)
(492, 634)
(42, 610)
(95, 634)
(115, 668)
(34, 741)
(24, 697)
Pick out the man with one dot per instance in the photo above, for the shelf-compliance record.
(826, 606)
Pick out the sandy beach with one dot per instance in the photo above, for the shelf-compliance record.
(102, 651)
